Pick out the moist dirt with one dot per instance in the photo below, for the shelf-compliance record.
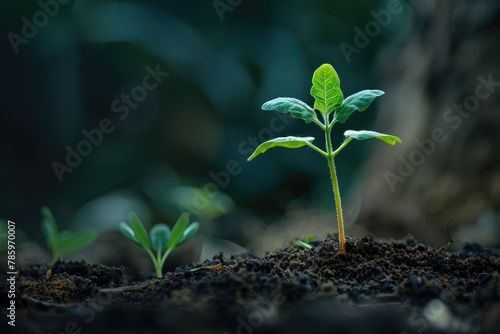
(378, 286)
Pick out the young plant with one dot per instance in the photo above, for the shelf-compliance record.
(160, 239)
(64, 242)
(306, 243)
(330, 102)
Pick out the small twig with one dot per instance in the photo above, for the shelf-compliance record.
(124, 288)
(445, 247)
(214, 267)
(468, 271)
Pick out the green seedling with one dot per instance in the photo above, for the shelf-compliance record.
(330, 102)
(160, 239)
(65, 242)
(306, 243)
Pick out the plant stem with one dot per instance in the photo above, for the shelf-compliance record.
(164, 257)
(156, 264)
(335, 183)
(55, 254)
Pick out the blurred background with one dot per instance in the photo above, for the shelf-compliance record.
(154, 106)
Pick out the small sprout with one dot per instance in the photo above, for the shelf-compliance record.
(65, 242)
(333, 108)
(48, 275)
(161, 239)
(310, 238)
(306, 243)
(301, 243)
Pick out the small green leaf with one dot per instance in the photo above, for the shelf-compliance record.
(159, 234)
(178, 230)
(303, 244)
(326, 89)
(296, 108)
(49, 233)
(49, 227)
(128, 232)
(65, 236)
(139, 231)
(70, 242)
(365, 134)
(190, 231)
(310, 238)
(359, 101)
(287, 142)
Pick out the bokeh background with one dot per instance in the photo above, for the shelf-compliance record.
(184, 146)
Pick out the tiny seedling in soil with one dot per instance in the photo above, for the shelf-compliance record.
(65, 242)
(160, 238)
(307, 242)
(329, 100)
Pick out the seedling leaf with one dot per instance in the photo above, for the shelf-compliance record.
(310, 238)
(303, 244)
(49, 227)
(49, 233)
(190, 231)
(365, 134)
(286, 142)
(128, 232)
(70, 242)
(139, 231)
(178, 230)
(295, 107)
(326, 89)
(159, 235)
(358, 101)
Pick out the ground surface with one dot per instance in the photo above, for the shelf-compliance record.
(378, 286)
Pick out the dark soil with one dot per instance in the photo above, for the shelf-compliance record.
(377, 287)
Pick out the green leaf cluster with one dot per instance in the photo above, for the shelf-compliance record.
(65, 242)
(328, 99)
(160, 241)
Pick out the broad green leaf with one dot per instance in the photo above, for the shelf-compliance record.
(49, 227)
(70, 242)
(326, 89)
(178, 230)
(139, 231)
(359, 101)
(190, 231)
(159, 235)
(128, 232)
(287, 142)
(365, 134)
(296, 108)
